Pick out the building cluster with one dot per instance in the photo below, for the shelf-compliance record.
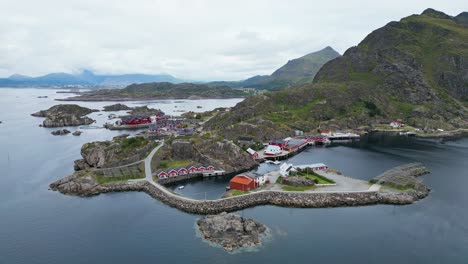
(286, 169)
(181, 171)
(276, 147)
(173, 126)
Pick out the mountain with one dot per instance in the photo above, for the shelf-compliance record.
(159, 90)
(294, 72)
(85, 78)
(415, 70)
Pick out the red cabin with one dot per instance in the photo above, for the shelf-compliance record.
(161, 174)
(210, 168)
(201, 169)
(182, 171)
(172, 173)
(191, 169)
(242, 183)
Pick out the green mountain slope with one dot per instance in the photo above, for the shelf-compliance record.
(294, 72)
(415, 69)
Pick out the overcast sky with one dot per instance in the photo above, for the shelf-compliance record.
(199, 40)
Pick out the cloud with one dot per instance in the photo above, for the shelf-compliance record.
(201, 40)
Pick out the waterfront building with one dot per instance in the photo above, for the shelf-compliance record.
(242, 183)
(252, 153)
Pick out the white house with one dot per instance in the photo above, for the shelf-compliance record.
(252, 153)
(396, 124)
(272, 150)
(285, 168)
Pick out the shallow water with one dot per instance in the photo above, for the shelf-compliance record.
(41, 226)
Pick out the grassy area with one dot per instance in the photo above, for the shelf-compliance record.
(103, 180)
(319, 179)
(310, 174)
(297, 189)
(166, 164)
(238, 192)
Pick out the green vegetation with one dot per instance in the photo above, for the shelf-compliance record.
(296, 189)
(310, 174)
(166, 164)
(133, 143)
(238, 192)
(103, 179)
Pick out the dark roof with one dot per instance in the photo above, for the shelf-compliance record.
(159, 171)
(296, 142)
(278, 141)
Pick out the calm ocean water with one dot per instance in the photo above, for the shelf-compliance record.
(41, 226)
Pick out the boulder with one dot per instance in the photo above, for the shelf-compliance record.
(298, 181)
(77, 133)
(231, 231)
(60, 132)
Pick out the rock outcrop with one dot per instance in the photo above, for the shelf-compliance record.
(403, 177)
(221, 154)
(60, 132)
(77, 133)
(116, 107)
(231, 231)
(65, 115)
(298, 181)
(118, 152)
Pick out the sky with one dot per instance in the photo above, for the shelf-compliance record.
(195, 40)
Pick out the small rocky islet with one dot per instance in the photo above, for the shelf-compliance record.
(231, 231)
(65, 115)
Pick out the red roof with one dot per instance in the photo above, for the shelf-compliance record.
(242, 179)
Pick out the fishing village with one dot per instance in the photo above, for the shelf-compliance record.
(164, 153)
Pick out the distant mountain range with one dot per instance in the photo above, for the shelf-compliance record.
(294, 72)
(85, 78)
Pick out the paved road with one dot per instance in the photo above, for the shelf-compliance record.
(148, 172)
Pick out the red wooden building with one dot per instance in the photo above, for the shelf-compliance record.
(201, 169)
(279, 142)
(161, 174)
(242, 183)
(135, 120)
(172, 173)
(182, 171)
(191, 169)
(210, 168)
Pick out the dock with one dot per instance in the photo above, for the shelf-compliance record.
(213, 173)
(126, 127)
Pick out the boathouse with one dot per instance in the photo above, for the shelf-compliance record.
(182, 171)
(191, 169)
(210, 168)
(161, 174)
(252, 153)
(201, 169)
(242, 183)
(172, 173)
(295, 144)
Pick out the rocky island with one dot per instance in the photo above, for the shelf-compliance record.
(65, 115)
(116, 107)
(159, 90)
(231, 231)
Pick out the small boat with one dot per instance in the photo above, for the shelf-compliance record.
(276, 162)
(181, 187)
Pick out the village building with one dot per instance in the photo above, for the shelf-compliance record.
(201, 169)
(272, 150)
(295, 144)
(161, 174)
(314, 167)
(397, 124)
(134, 120)
(172, 173)
(242, 183)
(278, 142)
(253, 153)
(191, 169)
(182, 171)
(186, 132)
(210, 168)
(285, 168)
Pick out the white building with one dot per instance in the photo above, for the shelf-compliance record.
(285, 168)
(272, 150)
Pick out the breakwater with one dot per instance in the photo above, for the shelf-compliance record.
(278, 198)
